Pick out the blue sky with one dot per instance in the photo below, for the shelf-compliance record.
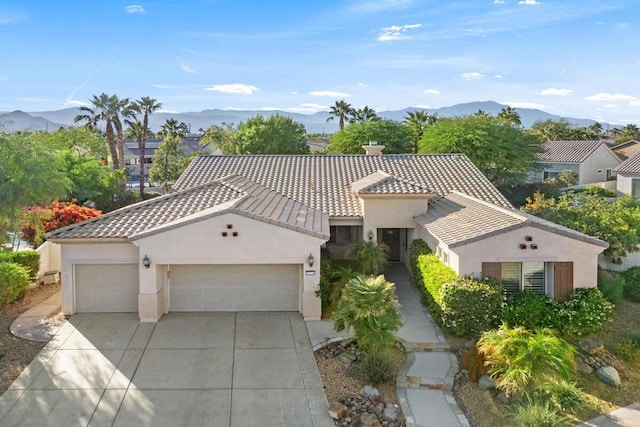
(572, 58)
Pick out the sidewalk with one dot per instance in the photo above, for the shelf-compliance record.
(31, 324)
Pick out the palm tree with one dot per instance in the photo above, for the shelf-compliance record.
(171, 127)
(364, 114)
(510, 115)
(481, 113)
(145, 105)
(342, 111)
(136, 132)
(418, 122)
(102, 111)
(88, 115)
(120, 109)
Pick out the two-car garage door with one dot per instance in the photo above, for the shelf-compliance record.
(264, 287)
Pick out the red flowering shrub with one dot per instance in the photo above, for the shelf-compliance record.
(39, 220)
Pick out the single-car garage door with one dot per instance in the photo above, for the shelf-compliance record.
(106, 288)
(234, 287)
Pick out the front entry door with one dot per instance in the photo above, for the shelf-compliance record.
(391, 238)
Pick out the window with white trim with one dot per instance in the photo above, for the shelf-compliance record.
(344, 234)
(524, 276)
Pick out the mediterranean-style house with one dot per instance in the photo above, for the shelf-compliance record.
(244, 233)
(627, 149)
(628, 181)
(590, 160)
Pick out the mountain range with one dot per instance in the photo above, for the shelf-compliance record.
(314, 123)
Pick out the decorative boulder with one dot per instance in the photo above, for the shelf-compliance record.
(368, 391)
(390, 412)
(503, 398)
(609, 375)
(591, 345)
(369, 420)
(337, 410)
(486, 383)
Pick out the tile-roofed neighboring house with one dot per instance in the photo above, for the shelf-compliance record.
(458, 219)
(230, 194)
(591, 161)
(324, 182)
(628, 181)
(626, 149)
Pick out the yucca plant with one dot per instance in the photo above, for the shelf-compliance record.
(370, 307)
(523, 361)
(370, 257)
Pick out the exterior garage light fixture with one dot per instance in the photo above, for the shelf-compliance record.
(310, 260)
(146, 261)
(370, 235)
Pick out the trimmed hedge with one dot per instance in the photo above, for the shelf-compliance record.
(588, 311)
(533, 311)
(469, 306)
(14, 279)
(28, 259)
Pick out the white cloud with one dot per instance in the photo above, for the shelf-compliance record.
(423, 106)
(472, 76)
(188, 69)
(498, 1)
(396, 32)
(498, 76)
(330, 93)
(162, 86)
(234, 89)
(529, 2)
(553, 91)
(75, 103)
(602, 96)
(162, 110)
(360, 84)
(134, 8)
(294, 93)
(635, 103)
(526, 105)
(431, 92)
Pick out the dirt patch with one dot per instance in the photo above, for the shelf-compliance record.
(17, 353)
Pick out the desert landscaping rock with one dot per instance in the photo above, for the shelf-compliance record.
(369, 420)
(337, 410)
(503, 398)
(486, 383)
(369, 391)
(609, 375)
(390, 412)
(591, 345)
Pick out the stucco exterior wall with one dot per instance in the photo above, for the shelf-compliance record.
(551, 248)
(202, 243)
(600, 160)
(624, 182)
(631, 260)
(90, 253)
(391, 212)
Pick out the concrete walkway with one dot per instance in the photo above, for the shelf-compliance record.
(31, 324)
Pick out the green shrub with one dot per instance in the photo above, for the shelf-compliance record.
(532, 311)
(28, 259)
(418, 247)
(535, 413)
(370, 257)
(588, 311)
(14, 279)
(613, 290)
(470, 306)
(564, 395)
(370, 307)
(628, 350)
(376, 367)
(432, 277)
(632, 283)
(523, 361)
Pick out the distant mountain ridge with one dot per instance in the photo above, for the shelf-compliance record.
(314, 123)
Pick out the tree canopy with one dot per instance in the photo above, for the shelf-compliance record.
(617, 223)
(273, 135)
(503, 152)
(342, 111)
(562, 130)
(396, 137)
(167, 160)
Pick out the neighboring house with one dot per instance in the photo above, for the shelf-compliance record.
(628, 181)
(591, 161)
(627, 149)
(244, 233)
(190, 145)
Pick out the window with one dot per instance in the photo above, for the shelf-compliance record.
(549, 175)
(523, 276)
(344, 234)
(635, 188)
(609, 174)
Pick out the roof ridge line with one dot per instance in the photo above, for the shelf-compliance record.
(509, 211)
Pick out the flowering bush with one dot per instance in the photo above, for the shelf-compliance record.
(470, 306)
(588, 311)
(40, 220)
(532, 311)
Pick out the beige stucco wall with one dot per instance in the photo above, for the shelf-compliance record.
(391, 212)
(601, 160)
(468, 259)
(90, 253)
(202, 243)
(624, 181)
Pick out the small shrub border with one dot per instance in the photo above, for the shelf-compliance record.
(28, 259)
(632, 283)
(470, 306)
(14, 279)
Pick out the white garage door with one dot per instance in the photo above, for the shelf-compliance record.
(234, 287)
(106, 288)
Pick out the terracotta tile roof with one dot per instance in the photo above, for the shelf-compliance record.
(631, 165)
(458, 219)
(568, 151)
(230, 194)
(324, 182)
(382, 183)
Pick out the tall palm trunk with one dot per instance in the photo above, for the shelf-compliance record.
(111, 142)
(119, 142)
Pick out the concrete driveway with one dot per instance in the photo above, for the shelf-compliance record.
(213, 369)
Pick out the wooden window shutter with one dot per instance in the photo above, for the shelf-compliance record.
(492, 270)
(562, 280)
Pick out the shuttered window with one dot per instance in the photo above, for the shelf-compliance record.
(511, 276)
(533, 277)
(523, 276)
